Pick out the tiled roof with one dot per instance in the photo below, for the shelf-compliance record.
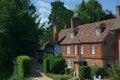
(117, 24)
(86, 33)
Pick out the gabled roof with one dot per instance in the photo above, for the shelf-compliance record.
(116, 26)
(86, 33)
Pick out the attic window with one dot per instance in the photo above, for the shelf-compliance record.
(72, 35)
(100, 29)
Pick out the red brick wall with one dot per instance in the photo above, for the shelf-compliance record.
(87, 54)
(119, 45)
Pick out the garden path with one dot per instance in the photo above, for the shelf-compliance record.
(37, 71)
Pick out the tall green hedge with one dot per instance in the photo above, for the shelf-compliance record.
(84, 72)
(46, 65)
(54, 64)
(22, 68)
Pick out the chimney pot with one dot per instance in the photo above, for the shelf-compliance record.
(75, 22)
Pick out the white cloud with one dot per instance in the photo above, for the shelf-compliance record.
(43, 4)
(43, 11)
(44, 20)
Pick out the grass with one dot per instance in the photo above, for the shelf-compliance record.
(58, 76)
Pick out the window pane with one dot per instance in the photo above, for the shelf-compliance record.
(81, 49)
(75, 51)
(92, 49)
(68, 50)
(94, 63)
(69, 63)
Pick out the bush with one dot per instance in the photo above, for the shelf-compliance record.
(54, 64)
(96, 71)
(114, 72)
(69, 71)
(46, 65)
(84, 72)
(22, 68)
(57, 65)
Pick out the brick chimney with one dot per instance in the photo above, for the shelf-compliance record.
(118, 10)
(75, 22)
(55, 33)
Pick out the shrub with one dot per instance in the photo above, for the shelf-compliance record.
(96, 71)
(84, 72)
(54, 64)
(69, 71)
(57, 65)
(46, 65)
(22, 68)
(114, 72)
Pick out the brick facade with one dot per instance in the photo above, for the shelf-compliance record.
(101, 55)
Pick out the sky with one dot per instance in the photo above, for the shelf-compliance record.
(44, 6)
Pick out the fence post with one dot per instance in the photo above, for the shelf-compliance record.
(94, 77)
(99, 77)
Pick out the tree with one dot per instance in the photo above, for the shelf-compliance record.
(60, 15)
(19, 31)
(91, 11)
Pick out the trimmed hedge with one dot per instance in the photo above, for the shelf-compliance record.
(22, 68)
(54, 64)
(46, 65)
(84, 72)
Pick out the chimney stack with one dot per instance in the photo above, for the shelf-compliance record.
(55, 33)
(75, 22)
(118, 10)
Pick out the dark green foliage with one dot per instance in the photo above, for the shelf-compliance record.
(19, 32)
(84, 72)
(46, 65)
(69, 71)
(96, 71)
(114, 72)
(91, 11)
(60, 15)
(22, 68)
(57, 65)
(53, 64)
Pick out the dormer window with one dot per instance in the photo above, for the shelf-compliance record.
(98, 31)
(72, 35)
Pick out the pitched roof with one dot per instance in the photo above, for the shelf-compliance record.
(117, 24)
(86, 33)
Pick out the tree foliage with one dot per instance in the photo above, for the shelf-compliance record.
(19, 31)
(60, 15)
(91, 11)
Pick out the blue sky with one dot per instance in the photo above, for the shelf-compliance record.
(44, 7)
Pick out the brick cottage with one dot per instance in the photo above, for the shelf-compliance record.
(91, 44)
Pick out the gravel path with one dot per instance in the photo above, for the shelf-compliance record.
(37, 71)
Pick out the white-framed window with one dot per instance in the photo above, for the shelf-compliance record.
(72, 35)
(98, 31)
(69, 63)
(75, 49)
(92, 49)
(81, 49)
(93, 63)
(68, 50)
